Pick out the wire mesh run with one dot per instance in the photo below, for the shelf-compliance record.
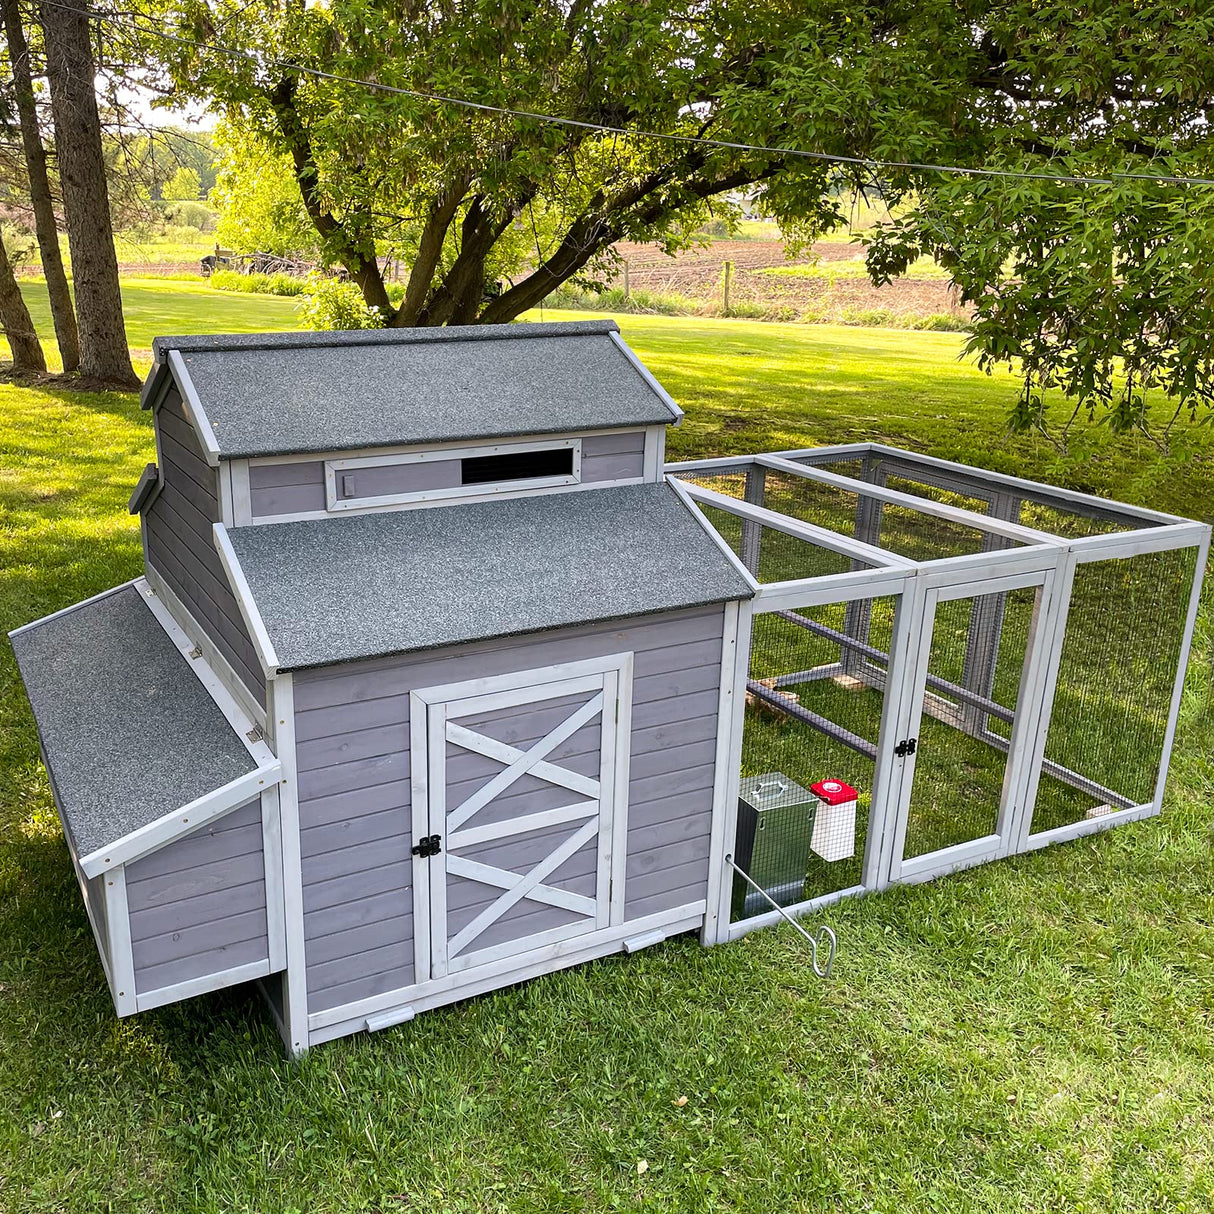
(808, 722)
(1125, 629)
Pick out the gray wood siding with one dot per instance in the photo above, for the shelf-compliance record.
(198, 906)
(299, 486)
(352, 737)
(181, 546)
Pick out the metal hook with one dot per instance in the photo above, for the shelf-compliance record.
(824, 938)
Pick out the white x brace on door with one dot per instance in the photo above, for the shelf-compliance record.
(519, 811)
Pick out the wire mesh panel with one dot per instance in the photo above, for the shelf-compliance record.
(810, 740)
(774, 556)
(976, 659)
(1124, 633)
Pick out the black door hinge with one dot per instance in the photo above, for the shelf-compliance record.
(430, 845)
(905, 748)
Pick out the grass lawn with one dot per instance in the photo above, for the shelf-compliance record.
(1036, 1035)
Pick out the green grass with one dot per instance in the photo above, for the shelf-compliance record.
(1032, 1035)
(156, 307)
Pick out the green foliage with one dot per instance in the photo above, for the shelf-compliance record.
(183, 186)
(332, 304)
(260, 284)
(190, 215)
(257, 197)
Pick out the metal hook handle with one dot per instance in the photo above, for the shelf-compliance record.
(825, 937)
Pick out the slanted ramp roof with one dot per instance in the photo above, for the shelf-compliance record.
(128, 731)
(287, 393)
(333, 590)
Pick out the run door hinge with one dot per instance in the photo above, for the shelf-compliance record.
(429, 845)
(905, 748)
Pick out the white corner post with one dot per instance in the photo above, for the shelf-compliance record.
(731, 709)
(281, 719)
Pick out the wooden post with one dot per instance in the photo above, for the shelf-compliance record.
(728, 278)
(627, 284)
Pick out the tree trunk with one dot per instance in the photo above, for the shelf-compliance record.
(63, 311)
(69, 63)
(16, 321)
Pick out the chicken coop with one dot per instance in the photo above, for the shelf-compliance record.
(438, 678)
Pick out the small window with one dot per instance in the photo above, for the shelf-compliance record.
(516, 466)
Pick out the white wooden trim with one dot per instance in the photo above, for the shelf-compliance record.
(1186, 644)
(835, 588)
(238, 711)
(471, 836)
(811, 906)
(281, 703)
(647, 375)
(334, 467)
(950, 585)
(1089, 826)
(975, 566)
(242, 499)
(655, 452)
(226, 510)
(204, 985)
(122, 958)
(54, 615)
(419, 818)
(500, 495)
(515, 968)
(376, 452)
(1010, 482)
(436, 816)
(176, 619)
(717, 538)
(833, 541)
(271, 845)
(193, 407)
(614, 776)
(1135, 543)
(180, 822)
(245, 601)
(923, 505)
(496, 691)
(726, 775)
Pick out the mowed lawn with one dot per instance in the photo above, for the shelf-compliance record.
(1036, 1034)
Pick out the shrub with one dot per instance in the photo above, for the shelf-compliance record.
(332, 304)
(190, 215)
(259, 284)
(612, 300)
(942, 322)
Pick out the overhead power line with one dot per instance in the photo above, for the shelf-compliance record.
(262, 60)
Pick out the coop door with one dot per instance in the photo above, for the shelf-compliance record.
(519, 809)
(964, 740)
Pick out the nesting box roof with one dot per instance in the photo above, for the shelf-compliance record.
(334, 590)
(129, 733)
(289, 393)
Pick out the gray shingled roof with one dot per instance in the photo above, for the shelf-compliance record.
(280, 394)
(128, 731)
(332, 590)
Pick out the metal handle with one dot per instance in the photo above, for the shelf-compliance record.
(777, 785)
(824, 938)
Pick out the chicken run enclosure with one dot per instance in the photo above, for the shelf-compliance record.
(973, 665)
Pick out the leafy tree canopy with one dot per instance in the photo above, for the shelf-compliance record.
(1102, 291)
(182, 186)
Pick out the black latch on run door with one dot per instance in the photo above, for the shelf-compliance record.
(905, 748)
(430, 845)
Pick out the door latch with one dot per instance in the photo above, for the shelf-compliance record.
(430, 845)
(905, 748)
